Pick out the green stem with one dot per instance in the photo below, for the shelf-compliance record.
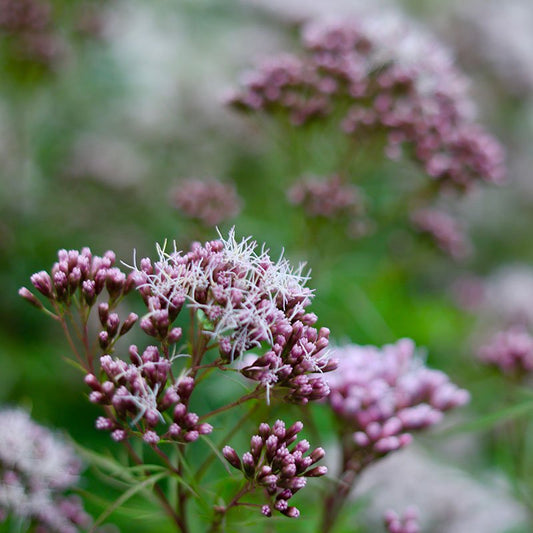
(221, 511)
(178, 520)
(253, 395)
(205, 465)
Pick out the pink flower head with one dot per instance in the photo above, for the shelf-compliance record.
(278, 464)
(209, 201)
(247, 300)
(510, 350)
(394, 81)
(328, 198)
(444, 230)
(36, 470)
(382, 394)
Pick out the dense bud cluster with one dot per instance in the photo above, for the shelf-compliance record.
(36, 469)
(209, 201)
(382, 77)
(406, 523)
(278, 465)
(382, 394)
(139, 393)
(444, 230)
(510, 350)
(83, 274)
(328, 198)
(245, 301)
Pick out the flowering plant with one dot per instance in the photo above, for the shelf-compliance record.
(245, 315)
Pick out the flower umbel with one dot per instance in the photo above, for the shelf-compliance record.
(382, 394)
(246, 301)
(276, 465)
(36, 469)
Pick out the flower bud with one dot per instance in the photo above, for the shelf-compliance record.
(128, 323)
(30, 297)
(231, 456)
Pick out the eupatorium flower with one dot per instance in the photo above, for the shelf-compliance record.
(278, 464)
(381, 395)
(381, 76)
(80, 273)
(36, 469)
(246, 301)
(510, 350)
(328, 198)
(209, 201)
(444, 230)
(138, 395)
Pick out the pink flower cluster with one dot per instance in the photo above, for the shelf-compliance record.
(280, 470)
(384, 78)
(382, 394)
(510, 350)
(444, 230)
(138, 395)
(80, 271)
(407, 523)
(328, 198)
(246, 300)
(36, 470)
(209, 201)
(28, 25)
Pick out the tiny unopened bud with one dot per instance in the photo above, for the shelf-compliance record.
(191, 436)
(317, 471)
(151, 437)
(148, 327)
(128, 323)
(135, 358)
(112, 323)
(204, 429)
(174, 335)
(118, 435)
(103, 339)
(92, 381)
(292, 512)
(115, 281)
(231, 456)
(60, 284)
(88, 289)
(103, 313)
(104, 424)
(43, 283)
(317, 454)
(30, 297)
(294, 429)
(248, 464)
(266, 510)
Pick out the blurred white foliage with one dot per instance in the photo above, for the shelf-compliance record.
(176, 68)
(298, 10)
(108, 160)
(509, 294)
(501, 34)
(449, 500)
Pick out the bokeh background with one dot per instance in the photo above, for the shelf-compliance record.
(107, 106)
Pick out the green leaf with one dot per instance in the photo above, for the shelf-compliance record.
(217, 452)
(75, 364)
(129, 494)
(106, 463)
(487, 421)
